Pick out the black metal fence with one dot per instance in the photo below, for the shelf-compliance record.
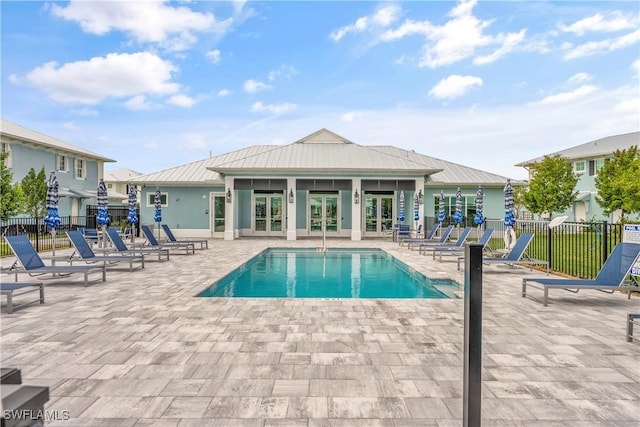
(41, 236)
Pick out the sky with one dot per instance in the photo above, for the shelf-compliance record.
(158, 84)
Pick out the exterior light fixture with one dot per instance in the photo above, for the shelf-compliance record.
(420, 197)
(228, 195)
(291, 195)
(356, 197)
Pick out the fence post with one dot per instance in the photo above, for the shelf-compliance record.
(550, 246)
(37, 234)
(605, 241)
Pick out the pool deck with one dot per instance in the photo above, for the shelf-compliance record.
(141, 350)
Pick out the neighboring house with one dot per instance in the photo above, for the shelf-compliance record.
(117, 182)
(587, 159)
(321, 180)
(78, 170)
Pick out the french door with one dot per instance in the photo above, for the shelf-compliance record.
(323, 209)
(378, 214)
(217, 214)
(268, 215)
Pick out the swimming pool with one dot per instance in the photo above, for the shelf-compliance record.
(336, 273)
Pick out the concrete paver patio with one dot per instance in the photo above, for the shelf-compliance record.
(141, 350)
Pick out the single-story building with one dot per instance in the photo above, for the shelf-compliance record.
(320, 181)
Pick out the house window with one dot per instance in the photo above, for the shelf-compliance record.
(63, 163)
(6, 148)
(164, 199)
(80, 164)
(599, 165)
(579, 167)
(468, 207)
(109, 186)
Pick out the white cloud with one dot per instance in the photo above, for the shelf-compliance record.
(461, 37)
(285, 72)
(567, 97)
(599, 23)
(138, 103)
(145, 21)
(181, 100)
(580, 78)
(194, 141)
(259, 107)
(87, 112)
(348, 117)
(151, 145)
(454, 86)
(214, 56)
(635, 66)
(71, 126)
(225, 92)
(382, 17)
(602, 46)
(113, 76)
(253, 86)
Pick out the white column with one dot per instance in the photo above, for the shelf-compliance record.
(356, 209)
(291, 209)
(420, 190)
(229, 211)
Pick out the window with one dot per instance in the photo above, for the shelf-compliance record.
(599, 165)
(80, 163)
(109, 186)
(6, 148)
(164, 199)
(63, 163)
(468, 206)
(579, 167)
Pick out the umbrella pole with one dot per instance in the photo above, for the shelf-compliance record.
(53, 239)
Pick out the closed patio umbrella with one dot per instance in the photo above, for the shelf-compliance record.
(132, 216)
(157, 217)
(457, 215)
(416, 210)
(401, 210)
(441, 207)
(479, 217)
(509, 217)
(103, 211)
(52, 220)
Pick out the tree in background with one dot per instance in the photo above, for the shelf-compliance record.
(618, 183)
(551, 188)
(10, 194)
(34, 187)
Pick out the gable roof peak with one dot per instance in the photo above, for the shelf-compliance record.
(323, 136)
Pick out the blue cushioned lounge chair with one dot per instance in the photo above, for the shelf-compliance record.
(121, 247)
(32, 264)
(85, 253)
(151, 239)
(452, 250)
(417, 243)
(517, 255)
(430, 236)
(9, 289)
(611, 277)
(424, 248)
(204, 243)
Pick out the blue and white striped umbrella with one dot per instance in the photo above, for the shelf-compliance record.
(157, 217)
(132, 217)
(509, 205)
(103, 201)
(401, 213)
(479, 218)
(457, 215)
(441, 207)
(52, 220)
(416, 208)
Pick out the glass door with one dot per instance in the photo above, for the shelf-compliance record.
(268, 215)
(218, 210)
(378, 214)
(324, 209)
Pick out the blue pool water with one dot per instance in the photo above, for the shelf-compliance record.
(346, 273)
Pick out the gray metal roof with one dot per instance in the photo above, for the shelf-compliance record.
(599, 148)
(10, 131)
(120, 175)
(321, 152)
